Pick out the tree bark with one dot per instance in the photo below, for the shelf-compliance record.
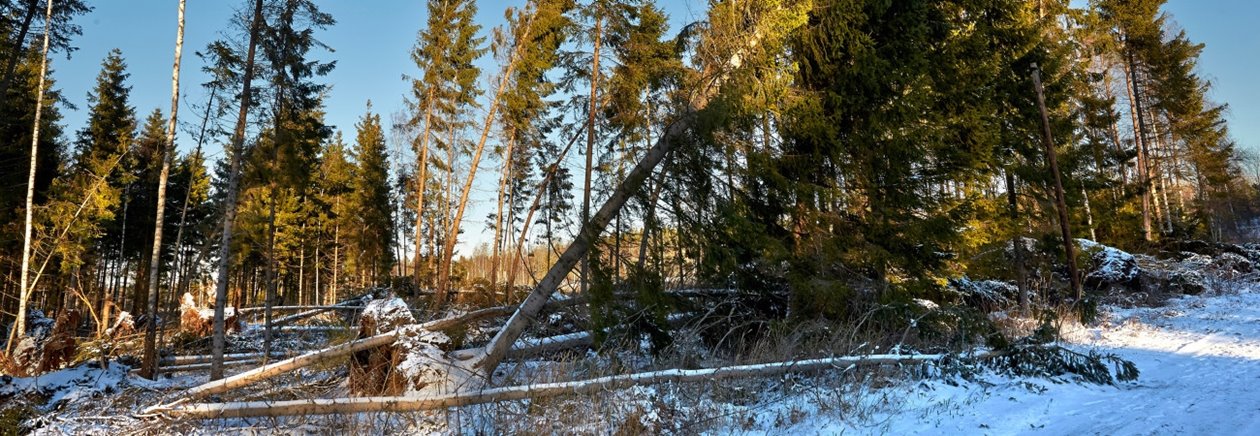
(1069, 245)
(498, 220)
(149, 362)
(25, 290)
(1139, 139)
(590, 143)
(534, 391)
(229, 213)
(422, 162)
(1017, 243)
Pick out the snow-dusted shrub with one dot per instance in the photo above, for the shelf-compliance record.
(986, 295)
(1108, 266)
(1231, 264)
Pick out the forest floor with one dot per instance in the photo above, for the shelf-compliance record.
(1199, 358)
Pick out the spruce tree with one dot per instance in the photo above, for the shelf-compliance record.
(373, 234)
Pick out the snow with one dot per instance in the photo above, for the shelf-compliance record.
(1199, 357)
(80, 383)
(1110, 264)
(387, 313)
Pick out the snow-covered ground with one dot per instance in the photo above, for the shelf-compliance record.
(1199, 358)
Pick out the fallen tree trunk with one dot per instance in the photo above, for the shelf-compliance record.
(490, 395)
(313, 329)
(289, 308)
(203, 358)
(528, 347)
(357, 301)
(284, 366)
(291, 364)
(202, 366)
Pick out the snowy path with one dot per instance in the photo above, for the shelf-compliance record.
(1199, 359)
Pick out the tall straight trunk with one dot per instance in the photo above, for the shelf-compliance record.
(1060, 203)
(149, 362)
(1139, 138)
(25, 291)
(302, 266)
(590, 144)
(498, 219)
(649, 222)
(422, 164)
(229, 213)
(447, 213)
(269, 296)
(181, 258)
(444, 270)
(1161, 173)
(336, 266)
(1017, 243)
(319, 291)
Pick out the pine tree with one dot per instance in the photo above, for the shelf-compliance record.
(528, 120)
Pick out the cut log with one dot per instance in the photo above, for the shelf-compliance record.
(490, 395)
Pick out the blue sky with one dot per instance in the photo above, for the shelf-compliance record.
(372, 43)
(373, 39)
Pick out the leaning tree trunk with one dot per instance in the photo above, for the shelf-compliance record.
(1069, 246)
(149, 363)
(489, 357)
(502, 342)
(422, 164)
(24, 292)
(1139, 139)
(452, 232)
(229, 212)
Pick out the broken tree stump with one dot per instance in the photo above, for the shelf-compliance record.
(199, 321)
(374, 371)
